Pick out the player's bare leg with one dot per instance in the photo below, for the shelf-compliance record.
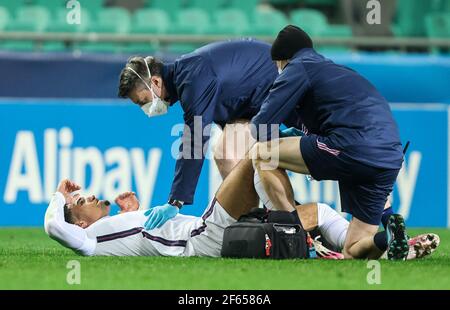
(359, 241)
(332, 226)
(360, 236)
(308, 215)
(232, 146)
(237, 194)
(282, 186)
(284, 154)
(334, 229)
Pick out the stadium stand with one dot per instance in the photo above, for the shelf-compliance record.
(60, 25)
(437, 25)
(312, 21)
(4, 18)
(54, 6)
(230, 21)
(27, 18)
(267, 22)
(171, 8)
(226, 18)
(210, 6)
(160, 21)
(184, 24)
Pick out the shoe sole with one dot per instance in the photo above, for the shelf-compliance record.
(425, 245)
(398, 245)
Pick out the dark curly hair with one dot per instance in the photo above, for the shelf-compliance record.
(68, 216)
(128, 79)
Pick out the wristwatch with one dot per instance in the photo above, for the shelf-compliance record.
(176, 203)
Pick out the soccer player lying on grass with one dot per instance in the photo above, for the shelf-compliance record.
(83, 224)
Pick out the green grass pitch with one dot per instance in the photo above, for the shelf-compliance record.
(30, 260)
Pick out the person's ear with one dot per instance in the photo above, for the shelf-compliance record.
(157, 83)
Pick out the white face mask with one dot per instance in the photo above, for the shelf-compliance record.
(157, 106)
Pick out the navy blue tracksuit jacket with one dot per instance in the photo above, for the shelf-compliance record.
(316, 95)
(218, 83)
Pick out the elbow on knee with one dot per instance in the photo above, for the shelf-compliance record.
(262, 157)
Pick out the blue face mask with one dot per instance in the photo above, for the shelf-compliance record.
(157, 106)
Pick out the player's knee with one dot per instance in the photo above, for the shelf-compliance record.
(350, 250)
(220, 166)
(219, 156)
(225, 166)
(258, 153)
(354, 251)
(223, 162)
(256, 163)
(218, 159)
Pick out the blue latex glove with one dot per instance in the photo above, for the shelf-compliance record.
(157, 216)
(291, 132)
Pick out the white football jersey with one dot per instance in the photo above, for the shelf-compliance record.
(122, 234)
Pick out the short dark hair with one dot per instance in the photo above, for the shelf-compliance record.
(128, 79)
(68, 216)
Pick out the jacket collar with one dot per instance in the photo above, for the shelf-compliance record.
(168, 80)
(302, 51)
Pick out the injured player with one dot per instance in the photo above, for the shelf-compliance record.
(83, 224)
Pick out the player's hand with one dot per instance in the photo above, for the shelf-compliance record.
(66, 187)
(157, 216)
(127, 202)
(291, 132)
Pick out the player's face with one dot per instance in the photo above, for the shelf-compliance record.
(88, 210)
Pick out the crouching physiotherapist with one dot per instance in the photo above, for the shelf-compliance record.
(351, 137)
(223, 83)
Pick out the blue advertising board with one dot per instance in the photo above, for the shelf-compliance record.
(109, 146)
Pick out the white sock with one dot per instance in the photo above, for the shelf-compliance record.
(332, 225)
(259, 187)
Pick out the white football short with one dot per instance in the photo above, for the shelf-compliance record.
(207, 236)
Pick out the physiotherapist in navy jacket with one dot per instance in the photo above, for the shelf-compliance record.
(223, 83)
(351, 137)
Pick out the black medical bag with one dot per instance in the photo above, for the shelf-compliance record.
(265, 234)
